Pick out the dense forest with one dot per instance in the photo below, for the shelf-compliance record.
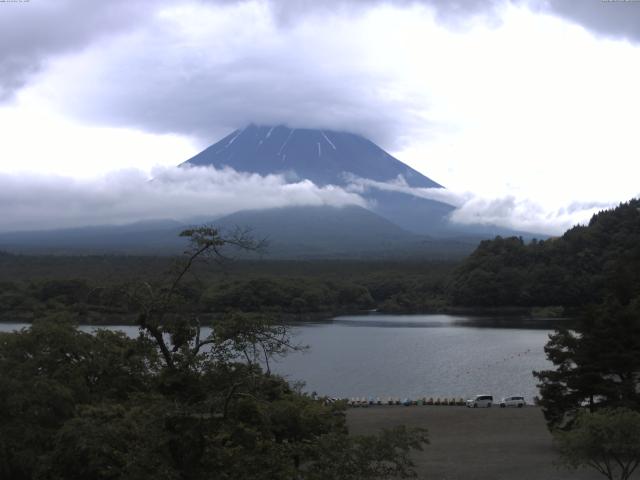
(98, 288)
(585, 265)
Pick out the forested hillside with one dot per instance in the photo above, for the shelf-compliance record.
(585, 265)
(98, 288)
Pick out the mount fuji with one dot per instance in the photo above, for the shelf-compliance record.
(338, 158)
(395, 222)
(322, 156)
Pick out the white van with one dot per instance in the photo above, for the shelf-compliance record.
(512, 402)
(481, 401)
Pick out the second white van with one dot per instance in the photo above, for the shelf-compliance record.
(480, 401)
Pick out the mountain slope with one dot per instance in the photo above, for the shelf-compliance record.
(322, 156)
(351, 231)
(292, 233)
(149, 237)
(316, 230)
(330, 157)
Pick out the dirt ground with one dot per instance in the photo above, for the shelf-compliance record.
(474, 444)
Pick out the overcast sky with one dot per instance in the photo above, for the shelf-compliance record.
(525, 110)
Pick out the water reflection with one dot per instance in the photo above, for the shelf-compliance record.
(420, 355)
(412, 355)
(379, 320)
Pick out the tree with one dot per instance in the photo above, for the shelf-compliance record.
(585, 265)
(111, 441)
(173, 403)
(252, 337)
(50, 369)
(179, 338)
(597, 364)
(341, 457)
(607, 441)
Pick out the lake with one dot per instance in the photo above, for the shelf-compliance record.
(413, 355)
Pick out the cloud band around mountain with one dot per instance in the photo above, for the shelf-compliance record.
(508, 211)
(43, 202)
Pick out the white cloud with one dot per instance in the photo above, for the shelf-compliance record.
(36, 202)
(399, 184)
(525, 215)
(37, 140)
(42, 202)
(197, 70)
(530, 112)
(528, 105)
(509, 211)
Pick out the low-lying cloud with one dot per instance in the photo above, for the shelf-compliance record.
(508, 211)
(38, 202)
(360, 185)
(525, 215)
(45, 202)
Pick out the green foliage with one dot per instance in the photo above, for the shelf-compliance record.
(171, 404)
(596, 364)
(583, 266)
(340, 457)
(298, 289)
(68, 292)
(607, 441)
(292, 295)
(111, 441)
(49, 369)
(104, 406)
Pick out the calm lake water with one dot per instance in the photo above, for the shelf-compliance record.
(413, 355)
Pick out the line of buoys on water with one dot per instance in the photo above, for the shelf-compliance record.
(509, 358)
(369, 401)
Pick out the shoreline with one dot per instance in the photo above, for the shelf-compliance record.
(499, 316)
